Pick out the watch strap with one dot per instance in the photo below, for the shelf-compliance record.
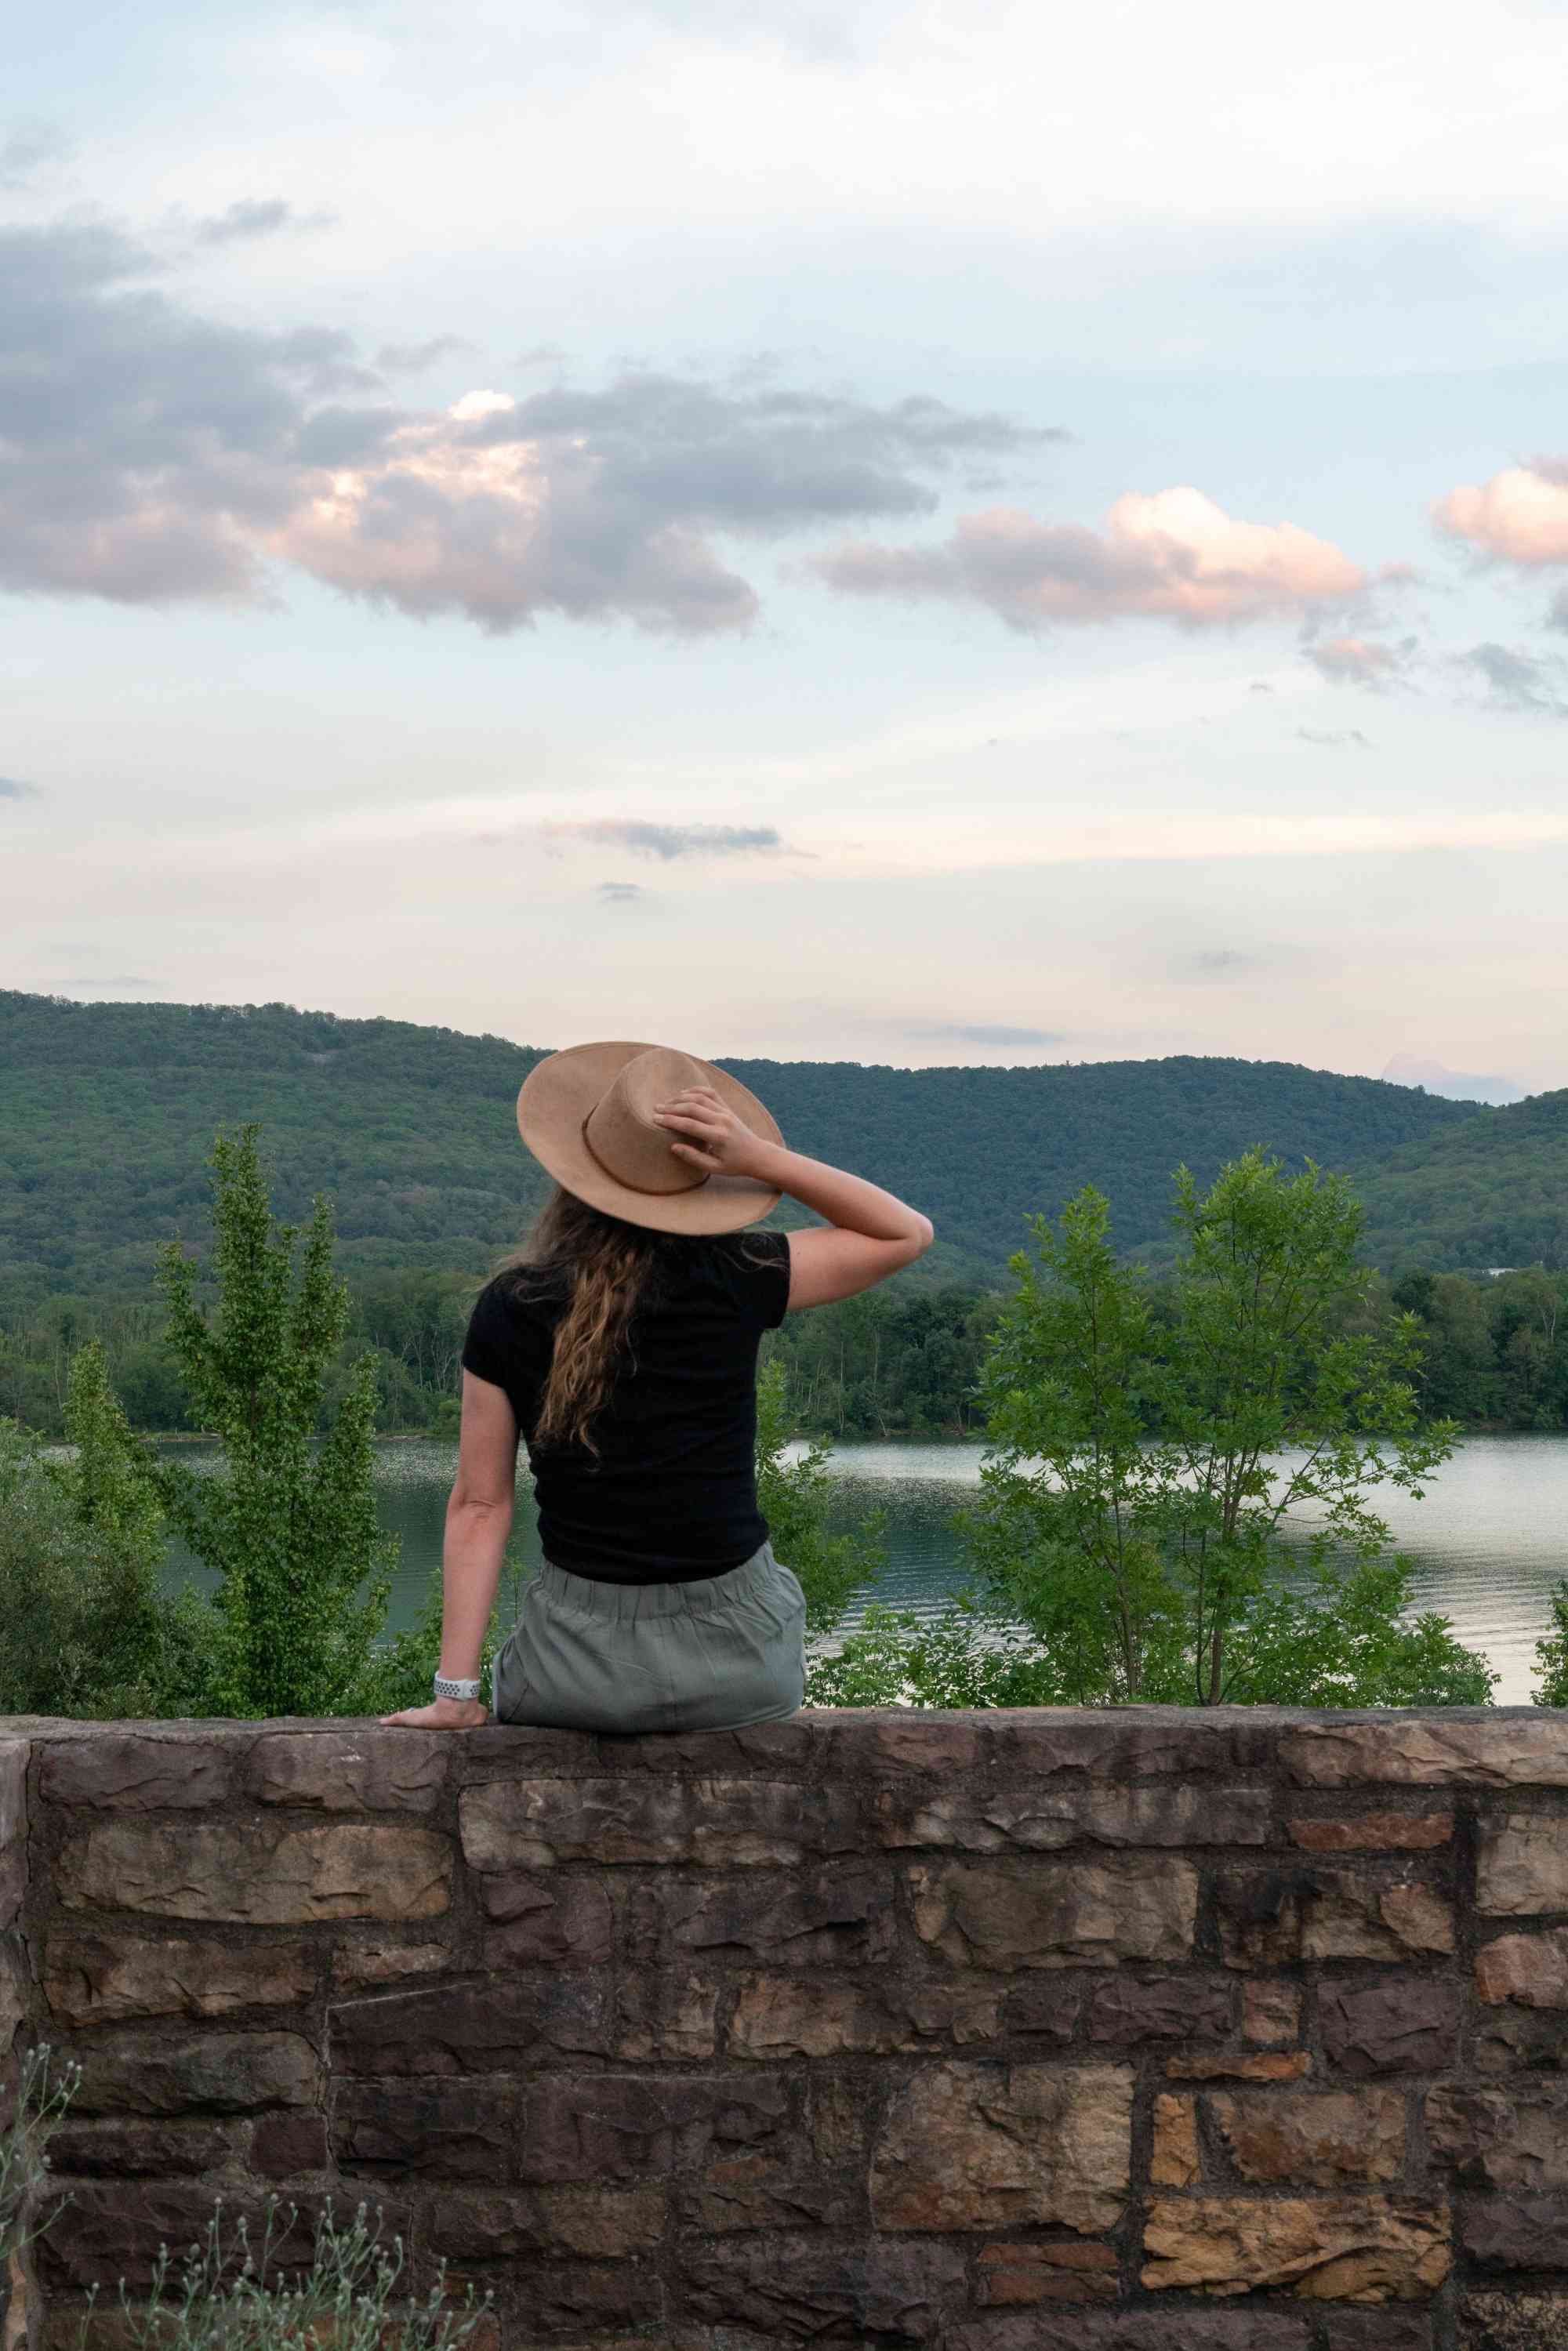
(445, 1687)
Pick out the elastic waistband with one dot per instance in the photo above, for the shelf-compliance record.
(589, 1595)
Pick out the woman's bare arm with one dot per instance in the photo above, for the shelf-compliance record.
(478, 1521)
(869, 1235)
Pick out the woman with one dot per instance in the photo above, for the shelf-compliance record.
(622, 1347)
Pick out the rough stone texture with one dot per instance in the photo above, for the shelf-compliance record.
(1309, 2138)
(257, 1875)
(1530, 1968)
(1112, 2030)
(1343, 2248)
(1524, 1864)
(1058, 1914)
(371, 1770)
(967, 2147)
(96, 1979)
(1403, 2026)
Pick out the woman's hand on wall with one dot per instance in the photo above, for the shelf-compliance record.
(444, 1714)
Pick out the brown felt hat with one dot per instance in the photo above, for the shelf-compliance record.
(587, 1115)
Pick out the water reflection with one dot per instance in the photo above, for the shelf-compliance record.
(1489, 1541)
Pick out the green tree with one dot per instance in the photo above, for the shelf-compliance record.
(1177, 1507)
(1552, 1655)
(796, 1497)
(290, 1522)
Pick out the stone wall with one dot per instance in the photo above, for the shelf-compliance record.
(1141, 2031)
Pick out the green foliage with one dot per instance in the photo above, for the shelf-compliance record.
(1175, 1505)
(900, 1361)
(796, 1497)
(290, 1525)
(106, 1110)
(1552, 1655)
(1490, 1189)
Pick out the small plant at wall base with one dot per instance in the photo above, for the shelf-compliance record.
(290, 1524)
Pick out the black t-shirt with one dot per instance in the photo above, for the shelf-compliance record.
(671, 1494)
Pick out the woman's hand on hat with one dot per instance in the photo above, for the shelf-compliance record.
(706, 1133)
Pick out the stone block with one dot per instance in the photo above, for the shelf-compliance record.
(122, 2149)
(13, 1756)
(471, 2224)
(982, 2147)
(1007, 1916)
(1515, 2138)
(1532, 1969)
(1312, 2138)
(257, 1875)
(1513, 2040)
(778, 2017)
(1012, 2275)
(1045, 2007)
(1390, 2329)
(135, 1770)
(566, 2305)
(967, 1820)
(374, 1960)
(1373, 1832)
(1368, 2249)
(371, 1768)
(500, 2026)
(838, 2112)
(1146, 1743)
(789, 1749)
(665, 2019)
(548, 1917)
(840, 1916)
(873, 1742)
(1175, 2160)
(105, 1979)
(598, 2127)
(1125, 2009)
(1239, 2066)
(797, 2290)
(1276, 1918)
(1521, 1866)
(754, 2192)
(1411, 2026)
(1271, 2012)
(113, 2231)
(284, 2144)
(16, 1990)
(1515, 2232)
(535, 1823)
(1135, 2330)
(1505, 1748)
(445, 2131)
(1524, 2321)
(167, 2073)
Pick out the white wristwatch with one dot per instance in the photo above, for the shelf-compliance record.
(446, 1687)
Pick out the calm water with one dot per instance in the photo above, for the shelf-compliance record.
(1489, 1540)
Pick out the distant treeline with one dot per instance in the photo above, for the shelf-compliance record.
(898, 1362)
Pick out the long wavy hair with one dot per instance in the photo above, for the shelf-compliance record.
(607, 1267)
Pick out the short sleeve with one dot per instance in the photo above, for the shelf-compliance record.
(490, 1349)
(756, 1274)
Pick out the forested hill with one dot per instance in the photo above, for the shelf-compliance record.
(1492, 1191)
(108, 1111)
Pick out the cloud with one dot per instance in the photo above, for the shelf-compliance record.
(1217, 963)
(667, 841)
(1516, 681)
(976, 1032)
(620, 893)
(1360, 661)
(149, 454)
(1260, 685)
(255, 216)
(1334, 738)
(28, 149)
(1520, 516)
(10, 790)
(1174, 556)
(413, 358)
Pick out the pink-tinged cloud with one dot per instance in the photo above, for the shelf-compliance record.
(1173, 556)
(1359, 661)
(1521, 516)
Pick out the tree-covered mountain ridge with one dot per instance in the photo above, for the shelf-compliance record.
(108, 1113)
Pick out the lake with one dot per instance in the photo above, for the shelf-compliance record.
(1489, 1540)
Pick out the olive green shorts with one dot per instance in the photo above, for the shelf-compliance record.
(704, 1655)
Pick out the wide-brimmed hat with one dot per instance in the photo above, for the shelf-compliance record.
(587, 1115)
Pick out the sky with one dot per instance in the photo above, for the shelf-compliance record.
(898, 533)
